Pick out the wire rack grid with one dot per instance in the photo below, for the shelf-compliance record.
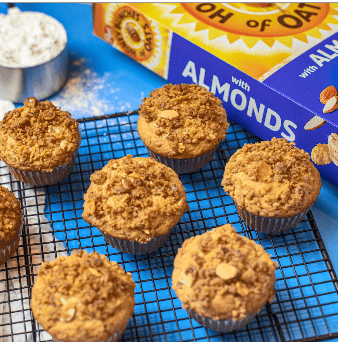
(305, 307)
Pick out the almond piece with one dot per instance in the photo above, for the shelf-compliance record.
(331, 105)
(180, 98)
(314, 123)
(264, 172)
(95, 272)
(169, 114)
(63, 144)
(226, 271)
(71, 313)
(327, 94)
(187, 279)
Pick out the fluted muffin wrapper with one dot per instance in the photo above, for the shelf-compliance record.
(221, 325)
(270, 225)
(113, 338)
(7, 251)
(184, 165)
(134, 247)
(41, 178)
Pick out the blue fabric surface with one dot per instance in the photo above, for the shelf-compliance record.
(122, 85)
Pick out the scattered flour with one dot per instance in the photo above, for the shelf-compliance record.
(87, 94)
(29, 38)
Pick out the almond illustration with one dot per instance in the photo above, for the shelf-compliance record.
(333, 147)
(327, 94)
(314, 123)
(320, 154)
(133, 34)
(331, 105)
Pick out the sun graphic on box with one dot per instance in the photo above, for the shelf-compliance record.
(266, 22)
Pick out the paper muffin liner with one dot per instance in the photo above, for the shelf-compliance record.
(270, 225)
(134, 247)
(40, 178)
(221, 325)
(113, 338)
(184, 165)
(7, 251)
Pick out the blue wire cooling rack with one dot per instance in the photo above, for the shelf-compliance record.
(305, 307)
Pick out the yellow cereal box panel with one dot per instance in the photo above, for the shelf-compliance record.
(267, 33)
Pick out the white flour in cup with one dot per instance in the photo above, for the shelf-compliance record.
(29, 38)
(5, 106)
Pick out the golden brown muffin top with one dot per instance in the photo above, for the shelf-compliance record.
(272, 179)
(10, 215)
(82, 297)
(38, 136)
(183, 115)
(223, 275)
(134, 199)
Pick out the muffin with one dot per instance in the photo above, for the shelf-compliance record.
(83, 298)
(223, 279)
(273, 184)
(11, 222)
(182, 125)
(135, 203)
(40, 142)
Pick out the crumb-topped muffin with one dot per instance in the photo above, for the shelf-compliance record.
(181, 125)
(40, 142)
(273, 184)
(10, 224)
(223, 279)
(135, 203)
(83, 298)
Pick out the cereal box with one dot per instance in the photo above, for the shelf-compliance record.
(272, 64)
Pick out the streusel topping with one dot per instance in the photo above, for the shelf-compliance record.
(134, 198)
(184, 115)
(222, 275)
(272, 178)
(38, 136)
(10, 215)
(82, 297)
